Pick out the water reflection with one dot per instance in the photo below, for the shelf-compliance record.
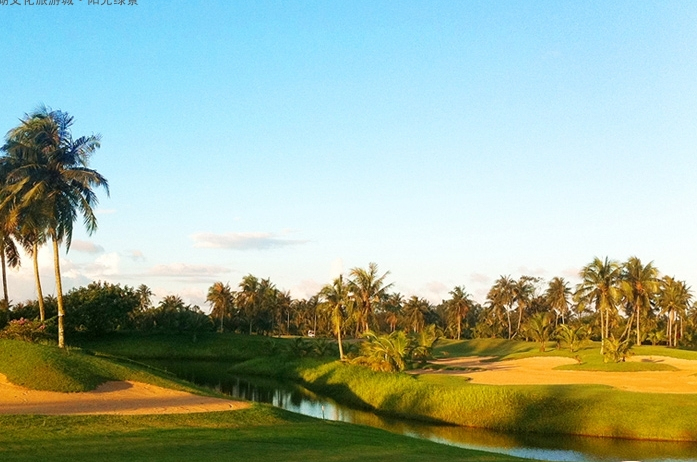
(542, 447)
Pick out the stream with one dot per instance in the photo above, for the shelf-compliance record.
(295, 398)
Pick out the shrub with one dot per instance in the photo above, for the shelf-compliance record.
(24, 329)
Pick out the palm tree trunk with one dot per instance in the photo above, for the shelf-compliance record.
(4, 278)
(459, 327)
(602, 333)
(508, 313)
(59, 295)
(39, 293)
(638, 329)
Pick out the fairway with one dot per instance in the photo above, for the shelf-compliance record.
(681, 376)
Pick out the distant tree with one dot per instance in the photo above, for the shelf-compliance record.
(220, 297)
(336, 297)
(369, 289)
(100, 307)
(459, 306)
(557, 297)
(501, 298)
(639, 284)
(599, 288)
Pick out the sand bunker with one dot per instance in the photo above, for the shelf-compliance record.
(540, 371)
(109, 398)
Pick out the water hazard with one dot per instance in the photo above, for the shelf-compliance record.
(297, 399)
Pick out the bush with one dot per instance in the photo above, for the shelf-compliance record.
(24, 329)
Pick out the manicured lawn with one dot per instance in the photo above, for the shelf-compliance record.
(257, 434)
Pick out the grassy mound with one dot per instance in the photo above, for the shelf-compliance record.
(42, 367)
(568, 409)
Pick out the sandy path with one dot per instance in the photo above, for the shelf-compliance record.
(109, 398)
(540, 371)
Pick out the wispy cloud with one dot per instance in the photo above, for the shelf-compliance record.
(135, 255)
(186, 270)
(86, 247)
(243, 241)
(480, 278)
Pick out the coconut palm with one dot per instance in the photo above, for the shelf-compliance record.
(368, 289)
(674, 301)
(557, 296)
(220, 298)
(459, 305)
(501, 297)
(415, 311)
(539, 327)
(639, 285)
(46, 165)
(336, 297)
(523, 292)
(599, 288)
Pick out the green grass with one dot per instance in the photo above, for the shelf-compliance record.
(43, 367)
(572, 409)
(592, 410)
(589, 355)
(260, 433)
(207, 346)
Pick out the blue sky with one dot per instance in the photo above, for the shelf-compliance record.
(449, 142)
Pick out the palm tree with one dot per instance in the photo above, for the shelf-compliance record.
(599, 287)
(392, 308)
(144, 297)
(539, 327)
(524, 291)
(369, 289)
(415, 310)
(48, 166)
(639, 285)
(674, 301)
(557, 295)
(336, 296)
(220, 298)
(501, 297)
(459, 305)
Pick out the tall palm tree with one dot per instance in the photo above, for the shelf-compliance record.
(50, 167)
(674, 301)
(501, 297)
(336, 296)
(415, 310)
(369, 289)
(220, 298)
(639, 285)
(557, 296)
(459, 305)
(144, 294)
(599, 288)
(524, 292)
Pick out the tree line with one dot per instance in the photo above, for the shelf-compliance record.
(46, 184)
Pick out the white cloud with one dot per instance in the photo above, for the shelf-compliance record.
(480, 278)
(242, 241)
(135, 255)
(306, 289)
(187, 270)
(104, 265)
(86, 247)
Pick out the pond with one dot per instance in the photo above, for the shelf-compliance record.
(294, 398)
